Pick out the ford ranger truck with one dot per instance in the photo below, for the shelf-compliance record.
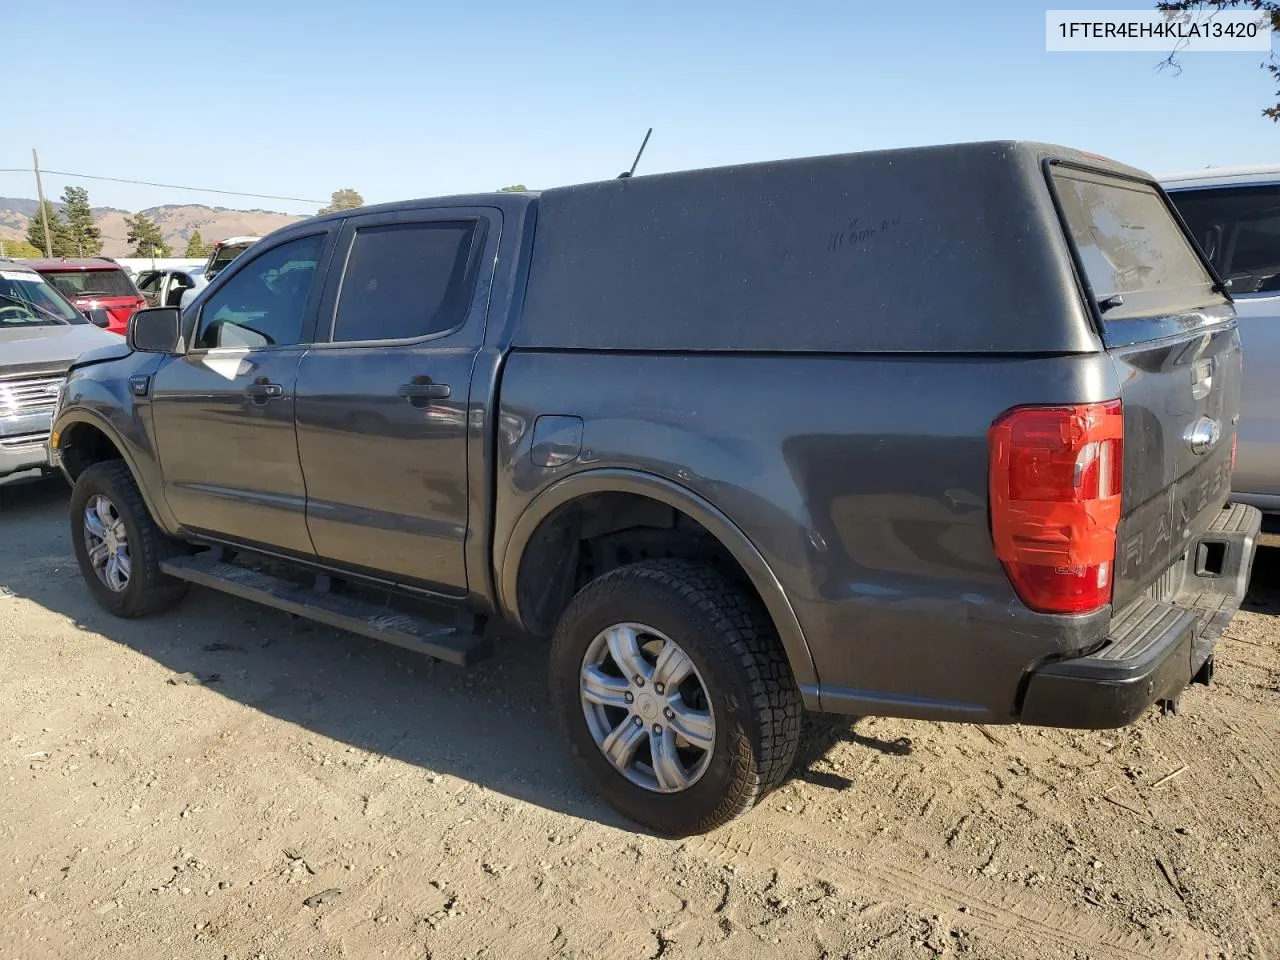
(942, 433)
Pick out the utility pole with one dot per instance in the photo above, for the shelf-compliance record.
(44, 211)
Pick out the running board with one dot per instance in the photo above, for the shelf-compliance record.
(335, 610)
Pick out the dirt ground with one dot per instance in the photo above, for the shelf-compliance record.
(218, 782)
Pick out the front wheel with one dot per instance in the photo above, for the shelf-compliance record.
(118, 545)
(674, 694)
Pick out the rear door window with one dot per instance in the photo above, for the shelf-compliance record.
(1131, 247)
(1238, 228)
(405, 281)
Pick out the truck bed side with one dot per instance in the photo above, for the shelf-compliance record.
(861, 480)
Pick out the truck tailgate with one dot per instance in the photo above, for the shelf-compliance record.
(1171, 332)
(1180, 399)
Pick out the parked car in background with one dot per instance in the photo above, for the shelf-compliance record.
(164, 288)
(41, 333)
(223, 252)
(1234, 214)
(94, 283)
(709, 433)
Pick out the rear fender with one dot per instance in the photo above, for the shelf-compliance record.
(614, 480)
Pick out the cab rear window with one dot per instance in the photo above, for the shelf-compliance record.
(1136, 257)
(91, 283)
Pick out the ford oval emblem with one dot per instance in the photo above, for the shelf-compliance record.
(1202, 435)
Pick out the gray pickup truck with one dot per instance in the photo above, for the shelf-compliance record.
(41, 334)
(942, 433)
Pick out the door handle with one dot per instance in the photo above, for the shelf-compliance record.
(262, 390)
(421, 391)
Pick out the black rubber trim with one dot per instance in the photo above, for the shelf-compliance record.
(1155, 646)
(1100, 692)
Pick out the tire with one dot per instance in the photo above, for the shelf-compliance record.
(146, 590)
(753, 703)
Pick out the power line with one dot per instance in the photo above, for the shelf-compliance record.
(166, 186)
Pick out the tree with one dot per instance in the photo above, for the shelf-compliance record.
(61, 239)
(514, 188)
(83, 235)
(144, 235)
(18, 248)
(196, 247)
(1269, 8)
(344, 199)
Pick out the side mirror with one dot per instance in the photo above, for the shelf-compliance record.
(98, 317)
(155, 330)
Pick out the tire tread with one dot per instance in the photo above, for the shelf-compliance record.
(157, 591)
(745, 632)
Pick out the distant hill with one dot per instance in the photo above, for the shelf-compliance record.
(177, 223)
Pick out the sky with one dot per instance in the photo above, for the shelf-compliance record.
(420, 98)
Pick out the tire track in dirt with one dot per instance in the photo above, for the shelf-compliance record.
(871, 870)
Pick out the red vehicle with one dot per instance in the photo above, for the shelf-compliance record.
(92, 283)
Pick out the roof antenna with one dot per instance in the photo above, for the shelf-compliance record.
(626, 173)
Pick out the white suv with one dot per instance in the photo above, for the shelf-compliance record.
(1234, 214)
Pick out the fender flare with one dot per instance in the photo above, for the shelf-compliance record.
(730, 535)
(67, 421)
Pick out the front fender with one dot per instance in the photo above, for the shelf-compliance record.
(618, 480)
(105, 404)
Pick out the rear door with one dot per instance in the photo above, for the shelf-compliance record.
(1238, 228)
(382, 405)
(1172, 335)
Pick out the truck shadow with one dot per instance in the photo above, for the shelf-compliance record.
(490, 724)
(1264, 584)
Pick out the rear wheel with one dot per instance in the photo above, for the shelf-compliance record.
(118, 545)
(675, 695)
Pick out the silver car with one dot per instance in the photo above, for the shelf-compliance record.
(1234, 214)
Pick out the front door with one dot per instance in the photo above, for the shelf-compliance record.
(223, 412)
(382, 407)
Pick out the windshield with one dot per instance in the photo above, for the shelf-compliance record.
(26, 300)
(91, 283)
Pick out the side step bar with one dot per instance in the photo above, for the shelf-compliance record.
(335, 610)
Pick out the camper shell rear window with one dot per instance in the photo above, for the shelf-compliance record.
(1136, 257)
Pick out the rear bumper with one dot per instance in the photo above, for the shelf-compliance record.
(1158, 643)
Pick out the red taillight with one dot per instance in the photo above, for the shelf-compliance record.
(1234, 438)
(1055, 502)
